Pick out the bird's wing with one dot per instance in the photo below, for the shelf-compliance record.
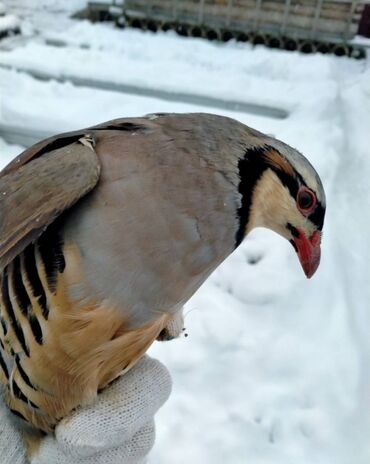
(40, 184)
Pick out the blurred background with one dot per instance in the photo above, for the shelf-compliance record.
(276, 369)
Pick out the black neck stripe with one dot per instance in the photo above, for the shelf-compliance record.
(251, 168)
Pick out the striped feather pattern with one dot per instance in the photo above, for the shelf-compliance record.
(56, 352)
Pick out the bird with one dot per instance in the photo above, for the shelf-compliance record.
(106, 233)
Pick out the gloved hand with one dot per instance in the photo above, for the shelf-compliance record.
(12, 449)
(117, 429)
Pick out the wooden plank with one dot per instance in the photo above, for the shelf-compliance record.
(334, 10)
(287, 7)
(334, 17)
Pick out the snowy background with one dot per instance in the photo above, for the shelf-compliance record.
(276, 369)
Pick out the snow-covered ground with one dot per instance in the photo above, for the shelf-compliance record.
(8, 22)
(276, 369)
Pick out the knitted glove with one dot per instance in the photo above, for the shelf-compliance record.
(12, 449)
(117, 429)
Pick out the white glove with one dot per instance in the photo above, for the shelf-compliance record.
(12, 449)
(117, 429)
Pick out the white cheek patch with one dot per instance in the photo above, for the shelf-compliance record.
(274, 207)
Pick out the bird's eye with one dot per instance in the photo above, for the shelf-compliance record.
(306, 199)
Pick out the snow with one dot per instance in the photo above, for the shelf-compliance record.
(184, 65)
(8, 22)
(8, 152)
(77, 106)
(276, 369)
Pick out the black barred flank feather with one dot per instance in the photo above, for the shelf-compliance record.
(23, 374)
(8, 307)
(34, 280)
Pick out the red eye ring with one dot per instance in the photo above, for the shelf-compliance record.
(306, 200)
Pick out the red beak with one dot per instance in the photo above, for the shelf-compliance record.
(308, 250)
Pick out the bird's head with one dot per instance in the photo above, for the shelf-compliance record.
(281, 191)
(245, 179)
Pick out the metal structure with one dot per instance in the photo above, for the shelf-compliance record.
(306, 25)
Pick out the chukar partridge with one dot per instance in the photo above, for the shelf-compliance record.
(106, 232)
